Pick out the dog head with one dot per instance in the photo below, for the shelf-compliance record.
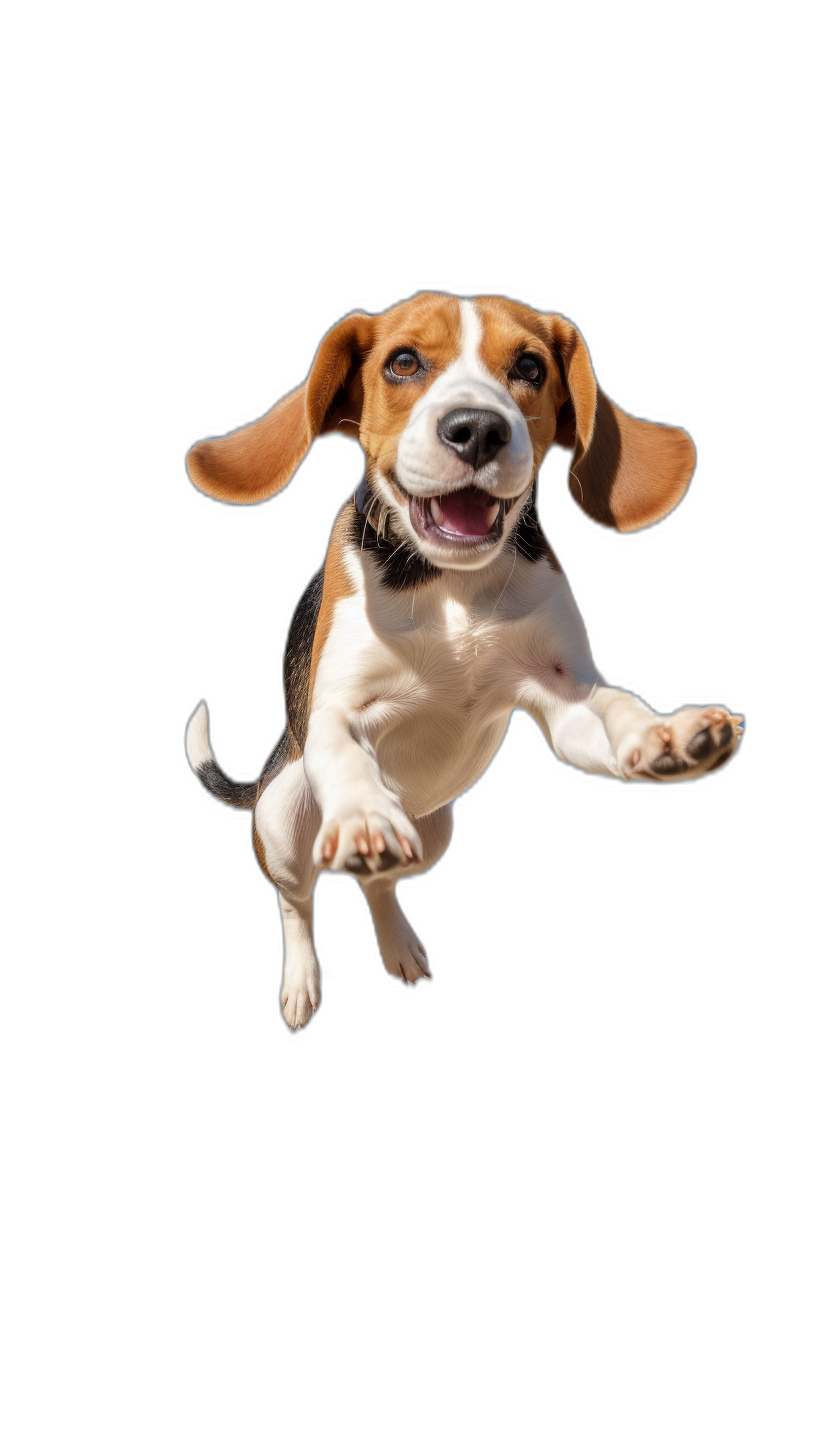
(455, 403)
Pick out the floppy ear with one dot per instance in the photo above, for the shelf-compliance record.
(625, 472)
(254, 462)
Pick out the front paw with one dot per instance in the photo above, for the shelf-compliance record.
(687, 744)
(367, 840)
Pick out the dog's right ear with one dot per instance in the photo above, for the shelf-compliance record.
(254, 462)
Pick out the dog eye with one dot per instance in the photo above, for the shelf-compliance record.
(403, 364)
(529, 368)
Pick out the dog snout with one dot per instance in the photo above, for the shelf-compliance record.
(475, 435)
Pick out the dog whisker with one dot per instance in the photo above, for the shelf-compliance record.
(506, 584)
(367, 522)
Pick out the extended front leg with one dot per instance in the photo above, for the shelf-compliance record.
(611, 731)
(364, 825)
(684, 744)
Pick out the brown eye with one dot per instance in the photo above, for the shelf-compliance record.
(403, 364)
(529, 368)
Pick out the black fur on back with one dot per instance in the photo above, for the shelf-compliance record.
(297, 660)
(297, 663)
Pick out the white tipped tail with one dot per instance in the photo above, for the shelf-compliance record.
(203, 764)
(197, 740)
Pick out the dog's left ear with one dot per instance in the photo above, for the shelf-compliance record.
(625, 472)
(255, 462)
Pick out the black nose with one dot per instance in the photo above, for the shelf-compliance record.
(476, 435)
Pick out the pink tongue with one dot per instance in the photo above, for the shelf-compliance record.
(466, 512)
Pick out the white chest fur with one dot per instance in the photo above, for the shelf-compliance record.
(431, 677)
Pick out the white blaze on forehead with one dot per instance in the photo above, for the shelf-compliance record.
(424, 463)
(471, 336)
(467, 383)
(469, 362)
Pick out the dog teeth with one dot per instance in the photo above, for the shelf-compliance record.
(492, 513)
(436, 510)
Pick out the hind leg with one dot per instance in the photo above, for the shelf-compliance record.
(402, 951)
(286, 822)
(300, 989)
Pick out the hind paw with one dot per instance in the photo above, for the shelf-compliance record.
(300, 998)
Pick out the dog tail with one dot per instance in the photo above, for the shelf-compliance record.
(202, 762)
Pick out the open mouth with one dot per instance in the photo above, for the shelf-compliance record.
(468, 517)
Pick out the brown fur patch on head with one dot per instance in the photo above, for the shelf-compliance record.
(430, 325)
(509, 330)
(346, 390)
(625, 472)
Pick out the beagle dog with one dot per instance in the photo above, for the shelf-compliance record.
(440, 607)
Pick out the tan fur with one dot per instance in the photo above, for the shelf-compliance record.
(252, 463)
(255, 462)
(625, 472)
(656, 465)
(260, 853)
(508, 330)
(336, 584)
(428, 323)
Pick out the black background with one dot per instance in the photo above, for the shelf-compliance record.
(577, 928)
